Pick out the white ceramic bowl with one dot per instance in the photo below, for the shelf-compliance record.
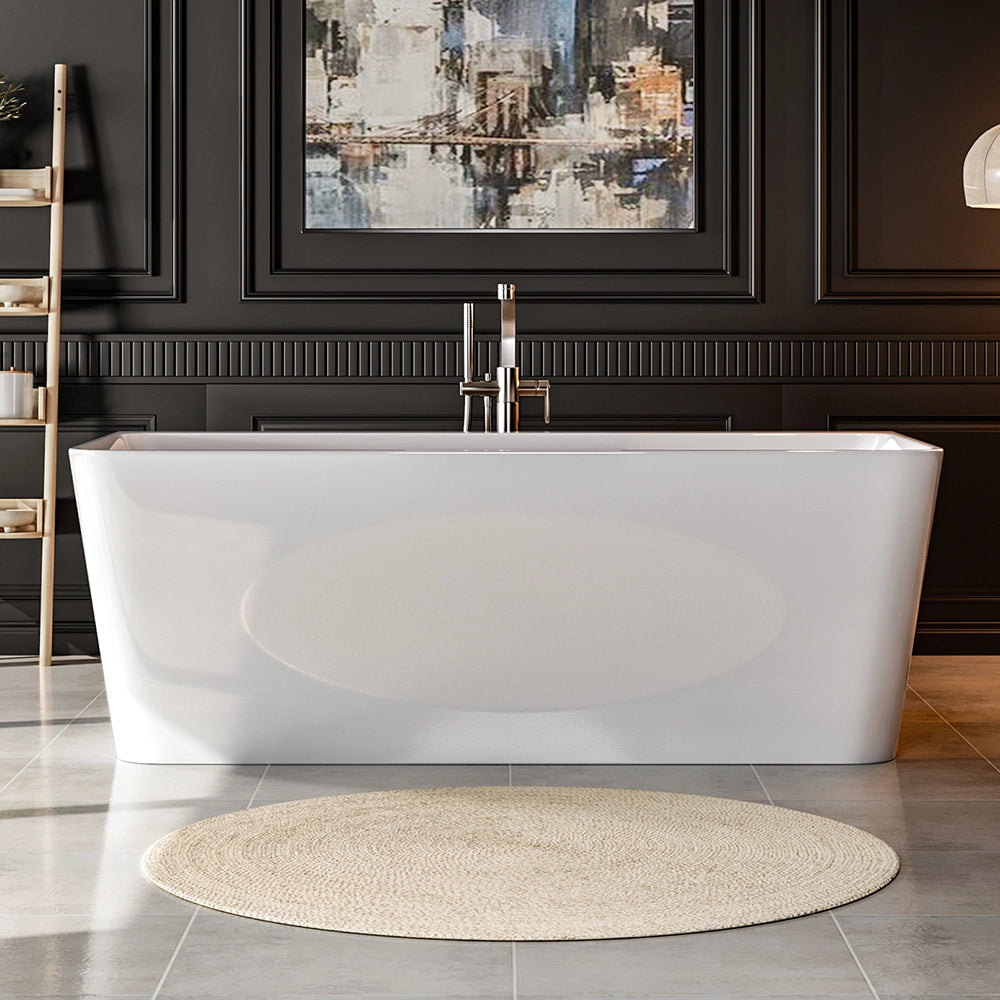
(15, 295)
(18, 193)
(11, 520)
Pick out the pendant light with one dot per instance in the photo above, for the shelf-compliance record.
(982, 171)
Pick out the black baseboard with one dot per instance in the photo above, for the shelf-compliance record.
(67, 640)
(957, 639)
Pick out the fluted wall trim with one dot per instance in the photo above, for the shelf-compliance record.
(107, 357)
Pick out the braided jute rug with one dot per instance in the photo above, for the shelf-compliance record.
(520, 863)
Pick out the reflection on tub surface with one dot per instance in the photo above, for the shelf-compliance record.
(357, 609)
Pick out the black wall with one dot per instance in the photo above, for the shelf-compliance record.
(836, 280)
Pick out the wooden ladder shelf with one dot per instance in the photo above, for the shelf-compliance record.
(41, 188)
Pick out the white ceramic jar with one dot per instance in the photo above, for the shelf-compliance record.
(16, 395)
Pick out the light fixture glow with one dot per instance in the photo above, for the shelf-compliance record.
(982, 171)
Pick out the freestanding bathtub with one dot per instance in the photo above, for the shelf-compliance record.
(428, 597)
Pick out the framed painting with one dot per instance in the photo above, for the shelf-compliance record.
(406, 149)
(499, 114)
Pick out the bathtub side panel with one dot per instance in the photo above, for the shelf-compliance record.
(845, 543)
(376, 607)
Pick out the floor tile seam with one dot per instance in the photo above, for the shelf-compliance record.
(75, 759)
(89, 917)
(66, 694)
(807, 805)
(85, 659)
(760, 781)
(39, 752)
(958, 733)
(946, 850)
(919, 916)
(909, 915)
(854, 955)
(69, 667)
(99, 852)
(513, 971)
(257, 787)
(176, 952)
(58, 699)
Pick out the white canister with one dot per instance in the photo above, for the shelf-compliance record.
(16, 396)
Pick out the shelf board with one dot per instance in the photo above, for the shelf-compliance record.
(38, 181)
(24, 202)
(23, 311)
(37, 419)
(34, 506)
(41, 304)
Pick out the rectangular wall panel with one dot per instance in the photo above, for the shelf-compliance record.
(906, 86)
(960, 610)
(285, 261)
(87, 412)
(123, 238)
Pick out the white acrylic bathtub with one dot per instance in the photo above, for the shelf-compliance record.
(623, 598)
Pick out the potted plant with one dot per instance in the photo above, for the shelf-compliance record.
(11, 105)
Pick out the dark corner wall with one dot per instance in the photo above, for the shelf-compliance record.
(835, 279)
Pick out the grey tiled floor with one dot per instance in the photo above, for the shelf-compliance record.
(77, 918)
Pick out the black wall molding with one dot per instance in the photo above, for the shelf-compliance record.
(719, 261)
(161, 277)
(74, 630)
(125, 169)
(283, 357)
(97, 424)
(959, 623)
(861, 255)
(383, 423)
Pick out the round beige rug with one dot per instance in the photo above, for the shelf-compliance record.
(520, 864)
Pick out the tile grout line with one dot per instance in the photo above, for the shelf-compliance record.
(41, 750)
(952, 728)
(854, 955)
(267, 767)
(513, 944)
(770, 801)
(173, 957)
(513, 970)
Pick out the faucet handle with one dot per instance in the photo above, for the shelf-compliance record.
(536, 387)
(468, 338)
(487, 388)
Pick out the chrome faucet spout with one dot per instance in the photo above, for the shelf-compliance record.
(508, 327)
(468, 337)
(508, 386)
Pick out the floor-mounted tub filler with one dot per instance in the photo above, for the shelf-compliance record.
(622, 598)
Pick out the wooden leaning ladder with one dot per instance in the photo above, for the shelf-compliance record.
(48, 185)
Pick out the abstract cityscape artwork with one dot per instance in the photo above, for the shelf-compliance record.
(499, 114)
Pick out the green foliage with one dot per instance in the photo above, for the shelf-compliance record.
(10, 105)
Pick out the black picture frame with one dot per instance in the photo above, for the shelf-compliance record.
(716, 261)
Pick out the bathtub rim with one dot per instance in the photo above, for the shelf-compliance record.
(532, 442)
